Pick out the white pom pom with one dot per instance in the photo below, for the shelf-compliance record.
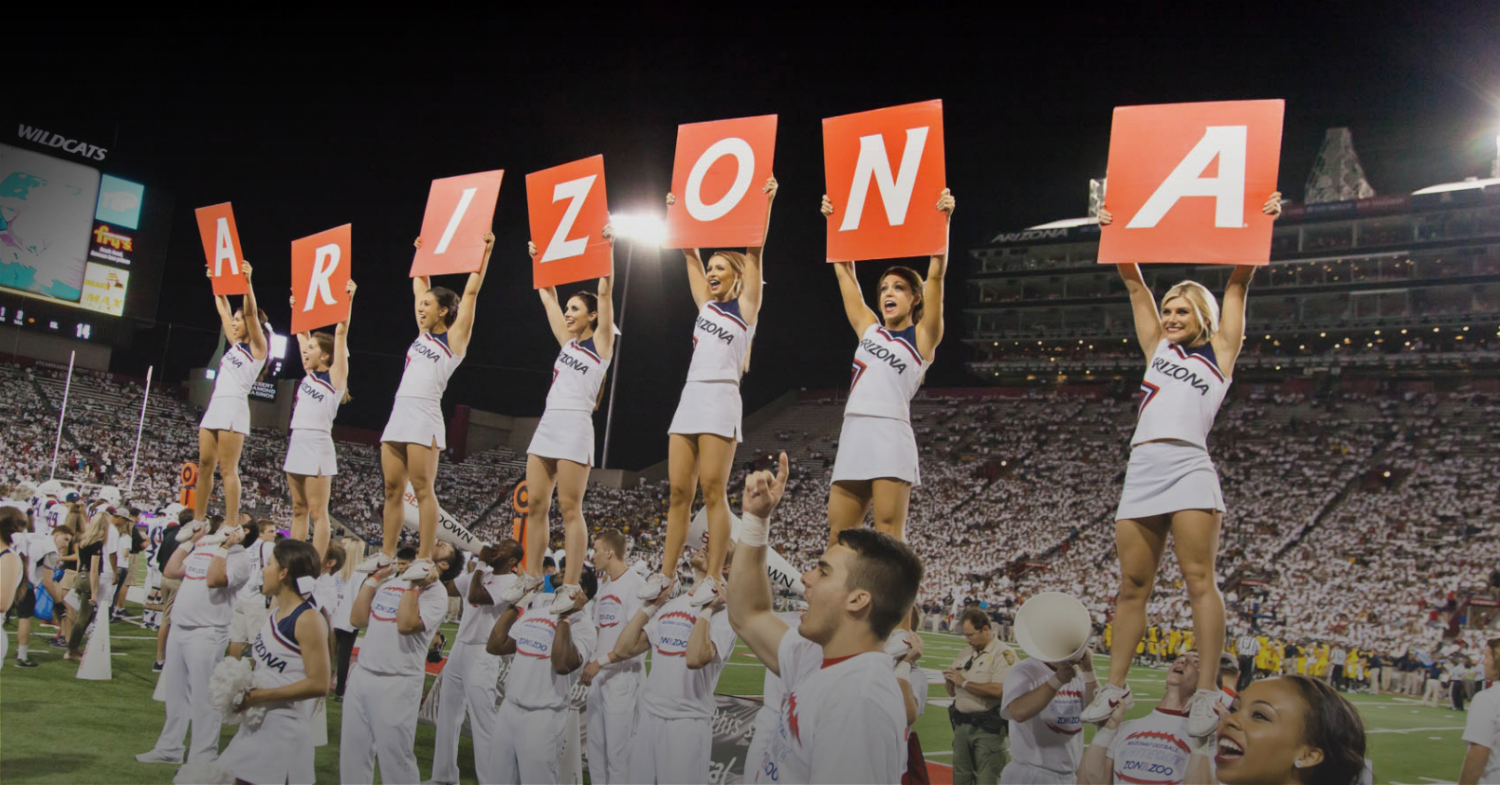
(305, 586)
(232, 678)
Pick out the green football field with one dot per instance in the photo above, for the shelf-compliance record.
(55, 728)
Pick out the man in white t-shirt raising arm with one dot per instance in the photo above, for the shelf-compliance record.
(613, 686)
(674, 735)
(843, 715)
(1154, 749)
(470, 674)
(1043, 701)
(1482, 731)
(385, 686)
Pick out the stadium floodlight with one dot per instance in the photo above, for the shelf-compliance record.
(645, 229)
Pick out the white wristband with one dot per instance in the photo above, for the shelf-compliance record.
(1104, 738)
(1090, 678)
(754, 530)
(603, 659)
(221, 553)
(650, 610)
(1053, 682)
(705, 613)
(903, 670)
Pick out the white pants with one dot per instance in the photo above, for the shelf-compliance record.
(380, 723)
(528, 744)
(192, 654)
(1017, 773)
(468, 682)
(670, 752)
(611, 725)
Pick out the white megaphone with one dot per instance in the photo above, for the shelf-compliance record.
(449, 529)
(97, 662)
(1053, 627)
(779, 569)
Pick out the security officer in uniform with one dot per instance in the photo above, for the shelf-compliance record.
(976, 681)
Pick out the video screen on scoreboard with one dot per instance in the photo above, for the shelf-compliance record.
(75, 236)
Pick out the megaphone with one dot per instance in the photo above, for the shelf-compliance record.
(1053, 627)
(779, 570)
(449, 529)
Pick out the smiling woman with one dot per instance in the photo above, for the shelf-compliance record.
(1290, 729)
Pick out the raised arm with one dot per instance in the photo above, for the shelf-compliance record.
(463, 326)
(359, 615)
(751, 290)
(1230, 336)
(218, 568)
(253, 330)
(860, 316)
(930, 329)
(420, 284)
(565, 655)
(302, 339)
(1097, 766)
(1142, 302)
(701, 650)
(500, 643)
(339, 369)
(749, 597)
(633, 639)
(697, 279)
(604, 334)
(553, 308)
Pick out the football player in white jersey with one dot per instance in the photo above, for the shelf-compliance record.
(1171, 486)
(1153, 749)
(876, 465)
(415, 434)
(614, 685)
(844, 714)
(310, 458)
(707, 425)
(562, 449)
(226, 422)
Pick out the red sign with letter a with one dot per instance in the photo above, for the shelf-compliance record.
(1187, 181)
(717, 178)
(459, 213)
(221, 248)
(885, 172)
(568, 210)
(320, 271)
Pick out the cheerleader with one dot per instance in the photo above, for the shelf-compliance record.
(415, 435)
(291, 673)
(1171, 486)
(562, 450)
(876, 464)
(310, 459)
(707, 425)
(226, 423)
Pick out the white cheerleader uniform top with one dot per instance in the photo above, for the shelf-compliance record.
(317, 403)
(238, 370)
(1181, 395)
(887, 371)
(429, 365)
(720, 341)
(278, 655)
(577, 377)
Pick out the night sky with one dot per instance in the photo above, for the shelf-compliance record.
(351, 123)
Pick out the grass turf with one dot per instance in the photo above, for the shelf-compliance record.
(55, 728)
